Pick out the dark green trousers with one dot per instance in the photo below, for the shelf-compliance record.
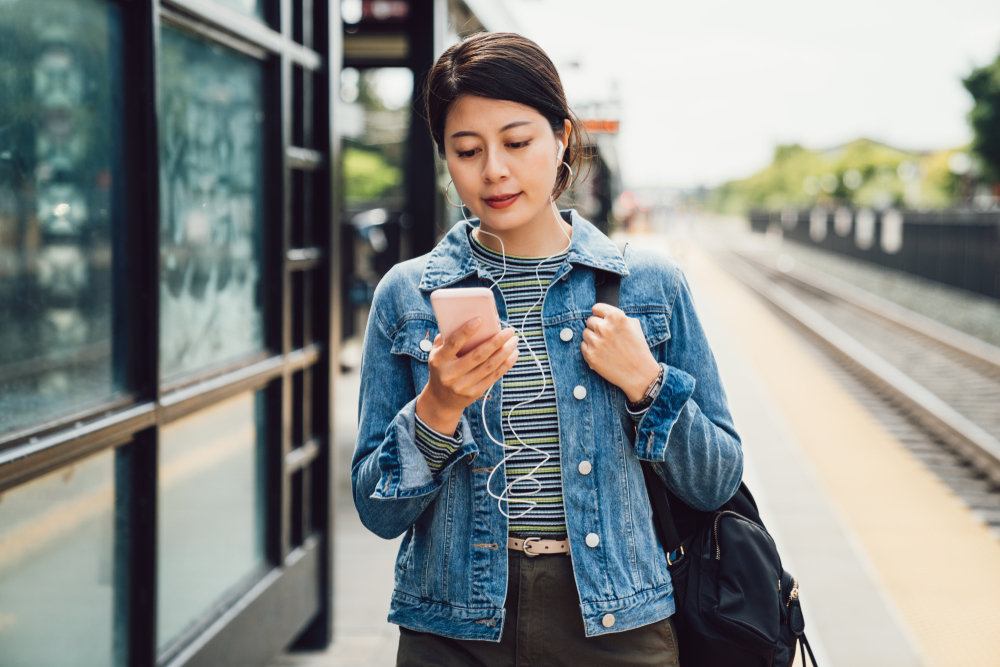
(543, 628)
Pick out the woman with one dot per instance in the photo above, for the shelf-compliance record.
(530, 444)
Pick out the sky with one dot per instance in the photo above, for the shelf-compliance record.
(709, 88)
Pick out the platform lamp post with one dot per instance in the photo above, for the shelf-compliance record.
(422, 196)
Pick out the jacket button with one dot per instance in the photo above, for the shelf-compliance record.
(580, 392)
(584, 467)
(608, 620)
(593, 540)
(566, 335)
(426, 345)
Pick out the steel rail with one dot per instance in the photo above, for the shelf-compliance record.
(978, 352)
(972, 443)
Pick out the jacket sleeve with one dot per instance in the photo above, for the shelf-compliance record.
(687, 431)
(391, 480)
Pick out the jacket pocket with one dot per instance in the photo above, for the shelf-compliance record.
(655, 326)
(409, 338)
(411, 334)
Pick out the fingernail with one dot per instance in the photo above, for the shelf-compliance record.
(475, 322)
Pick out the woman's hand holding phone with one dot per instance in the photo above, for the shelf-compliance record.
(456, 382)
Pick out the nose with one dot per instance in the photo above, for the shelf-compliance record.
(495, 168)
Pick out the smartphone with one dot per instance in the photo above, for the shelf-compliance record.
(454, 306)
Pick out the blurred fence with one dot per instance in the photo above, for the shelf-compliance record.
(959, 248)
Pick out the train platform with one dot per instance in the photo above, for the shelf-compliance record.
(895, 569)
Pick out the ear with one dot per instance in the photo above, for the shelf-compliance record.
(562, 143)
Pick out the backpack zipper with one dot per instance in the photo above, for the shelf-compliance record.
(794, 595)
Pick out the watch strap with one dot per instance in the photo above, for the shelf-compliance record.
(647, 399)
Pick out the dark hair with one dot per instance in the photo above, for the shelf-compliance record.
(504, 66)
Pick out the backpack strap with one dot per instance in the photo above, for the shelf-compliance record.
(607, 288)
(666, 530)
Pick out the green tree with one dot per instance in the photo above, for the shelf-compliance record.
(367, 176)
(861, 173)
(984, 86)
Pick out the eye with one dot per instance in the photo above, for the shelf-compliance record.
(518, 144)
(469, 153)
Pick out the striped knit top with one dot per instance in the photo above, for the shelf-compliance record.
(534, 439)
(540, 512)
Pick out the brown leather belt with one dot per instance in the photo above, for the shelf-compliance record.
(535, 546)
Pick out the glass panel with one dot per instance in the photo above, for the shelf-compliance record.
(376, 125)
(56, 567)
(211, 510)
(253, 8)
(58, 155)
(210, 189)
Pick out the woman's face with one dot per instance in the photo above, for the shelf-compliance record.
(503, 158)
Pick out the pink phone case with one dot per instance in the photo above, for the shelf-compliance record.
(454, 306)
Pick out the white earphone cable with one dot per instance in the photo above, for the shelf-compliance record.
(508, 495)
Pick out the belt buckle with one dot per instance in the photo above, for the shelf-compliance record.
(524, 547)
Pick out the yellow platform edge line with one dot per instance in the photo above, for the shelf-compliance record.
(937, 561)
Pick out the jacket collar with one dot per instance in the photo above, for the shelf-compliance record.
(451, 260)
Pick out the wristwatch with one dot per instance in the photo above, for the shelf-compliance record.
(647, 399)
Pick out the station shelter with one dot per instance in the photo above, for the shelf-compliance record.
(175, 176)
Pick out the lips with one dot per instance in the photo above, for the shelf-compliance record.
(501, 201)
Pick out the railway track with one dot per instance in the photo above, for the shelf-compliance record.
(935, 389)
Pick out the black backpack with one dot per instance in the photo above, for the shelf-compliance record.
(736, 605)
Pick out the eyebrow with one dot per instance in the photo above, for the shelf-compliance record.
(508, 126)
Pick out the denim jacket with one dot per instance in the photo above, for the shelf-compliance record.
(451, 570)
